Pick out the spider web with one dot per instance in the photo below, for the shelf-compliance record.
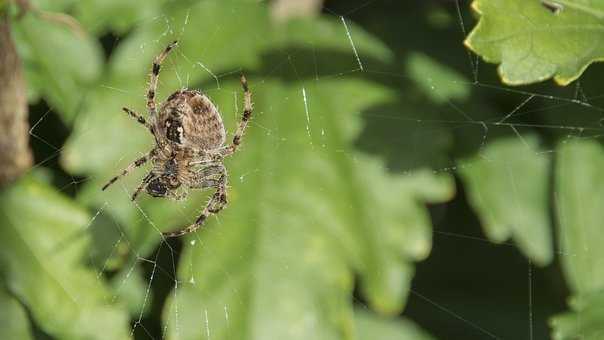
(445, 304)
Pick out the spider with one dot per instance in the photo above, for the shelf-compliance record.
(190, 146)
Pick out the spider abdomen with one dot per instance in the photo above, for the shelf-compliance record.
(190, 119)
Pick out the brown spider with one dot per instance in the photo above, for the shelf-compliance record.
(189, 151)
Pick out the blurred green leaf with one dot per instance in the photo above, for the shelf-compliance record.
(53, 5)
(61, 64)
(579, 202)
(118, 16)
(303, 225)
(320, 33)
(43, 245)
(536, 40)
(585, 320)
(369, 327)
(439, 82)
(13, 318)
(130, 286)
(579, 199)
(508, 186)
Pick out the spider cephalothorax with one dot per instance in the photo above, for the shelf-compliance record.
(189, 136)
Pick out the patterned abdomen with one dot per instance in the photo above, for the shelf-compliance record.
(188, 118)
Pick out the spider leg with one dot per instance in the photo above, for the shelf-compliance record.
(150, 176)
(129, 168)
(248, 108)
(154, 76)
(138, 117)
(208, 177)
(216, 203)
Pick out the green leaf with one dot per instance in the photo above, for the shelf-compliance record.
(536, 40)
(439, 82)
(579, 202)
(42, 246)
(53, 57)
(370, 327)
(13, 318)
(303, 225)
(507, 184)
(579, 198)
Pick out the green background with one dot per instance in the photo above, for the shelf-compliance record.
(441, 185)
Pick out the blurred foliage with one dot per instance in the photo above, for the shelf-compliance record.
(508, 186)
(578, 203)
(329, 196)
(42, 266)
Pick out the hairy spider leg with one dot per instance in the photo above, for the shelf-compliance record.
(138, 118)
(214, 206)
(150, 176)
(129, 168)
(248, 108)
(154, 77)
(144, 122)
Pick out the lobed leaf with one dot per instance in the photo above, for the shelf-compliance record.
(302, 226)
(536, 40)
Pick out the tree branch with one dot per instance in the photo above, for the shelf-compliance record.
(15, 154)
(284, 9)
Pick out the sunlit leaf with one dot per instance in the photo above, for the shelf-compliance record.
(507, 184)
(303, 225)
(536, 40)
(41, 259)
